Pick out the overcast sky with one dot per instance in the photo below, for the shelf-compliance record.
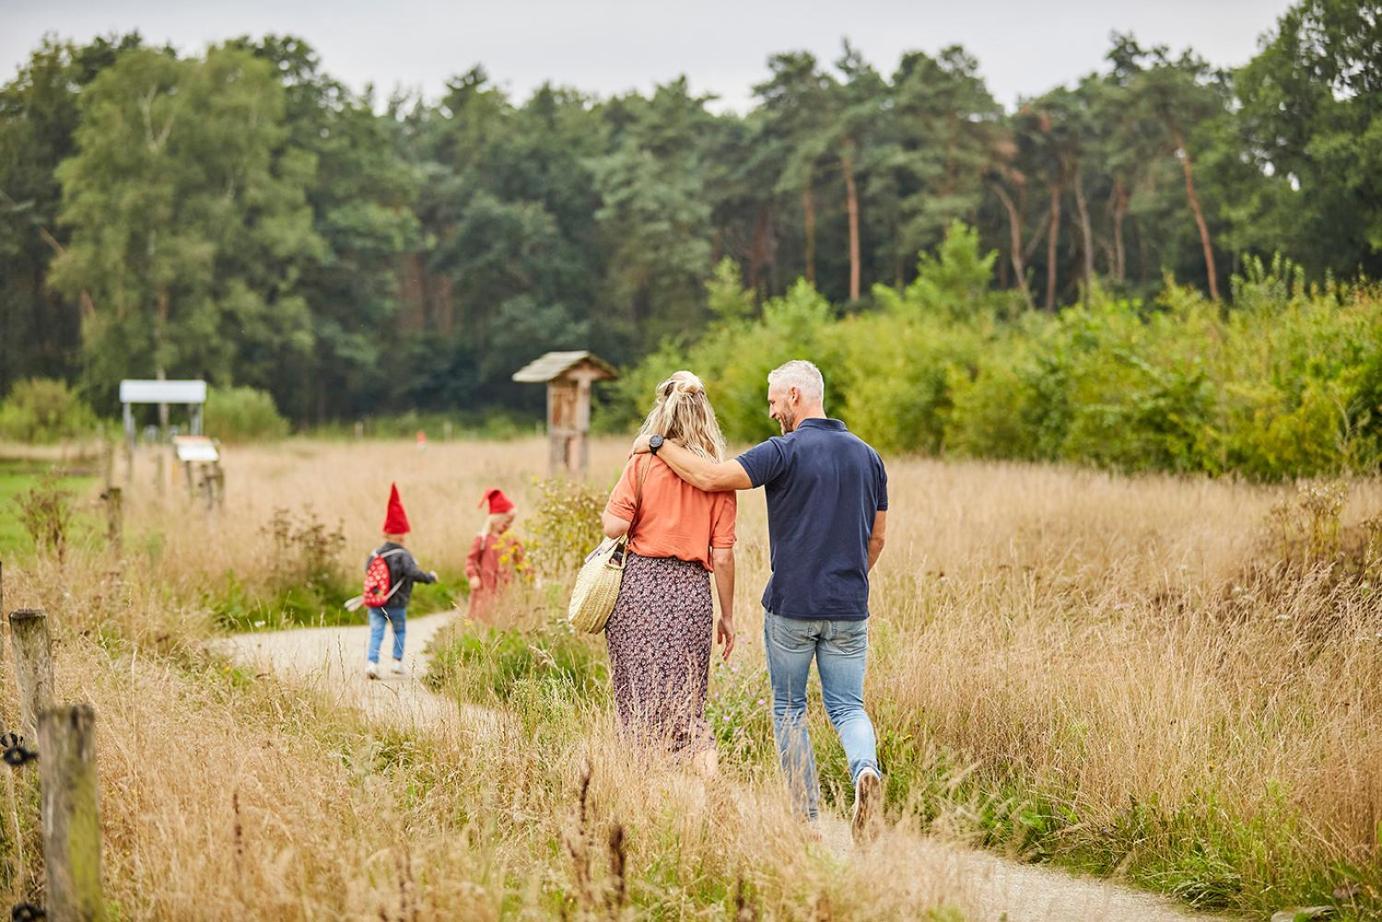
(1024, 47)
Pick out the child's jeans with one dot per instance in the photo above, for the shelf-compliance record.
(398, 617)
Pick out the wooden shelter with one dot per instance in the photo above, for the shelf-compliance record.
(568, 376)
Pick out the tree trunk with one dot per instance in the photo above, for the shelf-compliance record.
(88, 306)
(1186, 167)
(808, 211)
(1052, 236)
(1015, 243)
(1082, 208)
(852, 209)
(1120, 213)
(761, 249)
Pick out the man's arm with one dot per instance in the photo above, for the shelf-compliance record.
(878, 537)
(700, 472)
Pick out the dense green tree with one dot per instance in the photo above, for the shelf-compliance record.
(40, 329)
(242, 215)
(361, 194)
(1312, 116)
(187, 230)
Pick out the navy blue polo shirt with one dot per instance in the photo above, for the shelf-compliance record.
(824, 484)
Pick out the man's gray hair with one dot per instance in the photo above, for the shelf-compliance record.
(802, 375)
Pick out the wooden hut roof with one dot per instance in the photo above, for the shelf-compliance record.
(555, 364)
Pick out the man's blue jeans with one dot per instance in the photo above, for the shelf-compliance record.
(840, 649)
(398, 617)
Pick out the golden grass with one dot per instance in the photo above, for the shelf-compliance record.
(1092, 640)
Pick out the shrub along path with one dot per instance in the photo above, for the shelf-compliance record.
(331, 659)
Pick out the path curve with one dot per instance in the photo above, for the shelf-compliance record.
(332, 660)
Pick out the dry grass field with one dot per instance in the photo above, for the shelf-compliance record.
(1172, 682)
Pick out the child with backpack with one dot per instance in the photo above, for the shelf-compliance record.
(390, 573)
(495, 555)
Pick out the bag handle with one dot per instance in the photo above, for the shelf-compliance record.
(621, 545)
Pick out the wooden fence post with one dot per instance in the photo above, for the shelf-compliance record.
(115, 515)
(33, 666)
(71, 813)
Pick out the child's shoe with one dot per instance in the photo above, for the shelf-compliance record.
(372, 670)
(398, 667)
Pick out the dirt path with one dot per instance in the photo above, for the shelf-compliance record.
(332, 659)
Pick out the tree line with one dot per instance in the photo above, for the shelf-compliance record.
(243, 216)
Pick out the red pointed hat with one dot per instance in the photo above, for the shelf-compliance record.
(498, 502)
(396, 521)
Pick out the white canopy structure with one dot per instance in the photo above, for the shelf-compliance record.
(190, 393)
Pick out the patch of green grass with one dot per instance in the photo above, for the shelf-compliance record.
(479, 664)
(1200, 852)
(18, 477)
(239, 609)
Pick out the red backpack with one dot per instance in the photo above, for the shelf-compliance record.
(377, 590)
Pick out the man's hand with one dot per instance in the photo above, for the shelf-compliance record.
(640, 445)
(433, 574)
(724, 632)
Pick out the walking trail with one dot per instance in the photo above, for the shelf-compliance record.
(331, 659)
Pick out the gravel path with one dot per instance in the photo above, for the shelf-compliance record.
(332, 659)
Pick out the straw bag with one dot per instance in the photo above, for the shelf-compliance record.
(597, 585)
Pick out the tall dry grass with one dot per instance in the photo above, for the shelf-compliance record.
(1121, 673)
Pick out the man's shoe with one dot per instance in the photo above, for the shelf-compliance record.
(868, 806)
(372, 670)
(397, 667)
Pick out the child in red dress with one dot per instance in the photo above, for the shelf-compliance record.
(495, 555)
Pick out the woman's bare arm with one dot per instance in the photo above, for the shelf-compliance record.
(723, 559)
(613, 525)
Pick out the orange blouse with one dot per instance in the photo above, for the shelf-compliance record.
(676, 519)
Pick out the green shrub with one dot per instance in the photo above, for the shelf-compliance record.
(1285, 383)
(484, 664)
(243, 414)
(565, 526)
(42, 410)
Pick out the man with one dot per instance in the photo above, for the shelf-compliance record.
(827, 494)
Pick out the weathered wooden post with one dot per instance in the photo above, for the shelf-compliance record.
(115, 516)
(71, 813)
(568, 376)
(33, 665)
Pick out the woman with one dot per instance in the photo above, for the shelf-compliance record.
(659, 634)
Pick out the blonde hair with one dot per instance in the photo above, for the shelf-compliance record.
(684, 413)
(491, 526)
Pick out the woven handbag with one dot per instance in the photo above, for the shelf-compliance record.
(597, 584)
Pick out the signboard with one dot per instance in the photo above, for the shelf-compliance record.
(195, 448)
(136, 391)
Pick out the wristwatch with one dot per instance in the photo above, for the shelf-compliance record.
(654, 443)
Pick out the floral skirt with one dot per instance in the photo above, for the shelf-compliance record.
(659, 638)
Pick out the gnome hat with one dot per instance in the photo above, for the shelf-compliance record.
(396, 521)
(498, 502)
